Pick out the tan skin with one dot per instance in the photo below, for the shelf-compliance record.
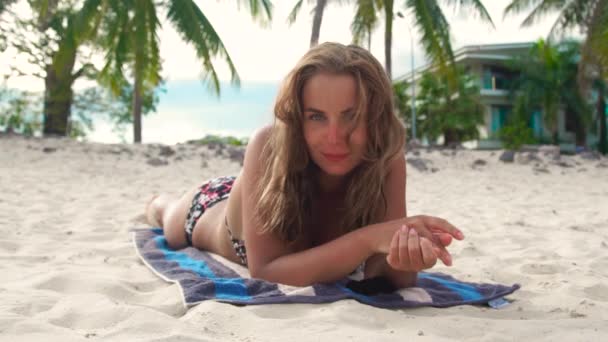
(398, 247)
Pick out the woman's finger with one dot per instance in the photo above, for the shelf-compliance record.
(426, 232)
(443, 255)
(414, 250)
(393, 254)
(428, 255)
(444, 239)
(404, 259)
(436, 223)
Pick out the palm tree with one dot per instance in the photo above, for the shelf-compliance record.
(453, 114)
(402, 101)
(316, 21)
(591, 17)
(547, 80)
(72, 28)
(602, 88)
(428, 19)
(131, 39)
(365, 21)
(595, 61)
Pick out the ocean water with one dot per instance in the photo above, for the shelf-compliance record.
(189, 110)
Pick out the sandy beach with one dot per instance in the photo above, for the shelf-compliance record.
(69, 270)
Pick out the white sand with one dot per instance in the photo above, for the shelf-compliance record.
(69, 271)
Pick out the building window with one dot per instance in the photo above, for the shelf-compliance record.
(500, 115)
(495, 78)
(571, 121)
(536, 123)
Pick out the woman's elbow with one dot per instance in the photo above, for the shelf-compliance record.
(264, 273)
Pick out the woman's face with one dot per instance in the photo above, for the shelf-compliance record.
(335, 140)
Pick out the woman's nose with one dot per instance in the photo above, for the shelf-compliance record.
(335, 133)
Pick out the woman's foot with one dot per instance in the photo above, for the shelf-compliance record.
(153, 212)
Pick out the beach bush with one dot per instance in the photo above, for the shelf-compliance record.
(516, 134)
(19, 112)
(217, 139)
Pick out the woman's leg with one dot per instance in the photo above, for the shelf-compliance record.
(209, 233)
(169, 212)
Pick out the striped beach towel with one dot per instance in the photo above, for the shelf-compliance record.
(205, 276)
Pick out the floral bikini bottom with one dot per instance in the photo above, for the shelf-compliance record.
(210, 193)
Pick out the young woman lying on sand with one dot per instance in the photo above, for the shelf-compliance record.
(322, 190)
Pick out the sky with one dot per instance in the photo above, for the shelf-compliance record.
(267, 54)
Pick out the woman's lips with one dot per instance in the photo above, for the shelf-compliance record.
(335, 157)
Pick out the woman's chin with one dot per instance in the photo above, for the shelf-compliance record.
(337, 171)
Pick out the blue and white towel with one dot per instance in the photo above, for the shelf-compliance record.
(205, 276)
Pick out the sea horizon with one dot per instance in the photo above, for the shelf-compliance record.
(189, 110)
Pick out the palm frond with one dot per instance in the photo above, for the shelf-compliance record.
(260, 10)
(435, 30)
(86, 19)
(518, 6)
(145, 42)
(112, 74)
(117, 44)
(194, 27)
(153, 61)
(594, 51)
(572, 14)
(365, 20)
(293, 15)
(543, 8)
(475, 5)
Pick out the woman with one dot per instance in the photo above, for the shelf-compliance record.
(322, 190)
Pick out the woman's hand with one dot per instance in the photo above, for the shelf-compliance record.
(410, 252)
(433, 234)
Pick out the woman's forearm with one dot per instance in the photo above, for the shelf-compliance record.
(325, 263)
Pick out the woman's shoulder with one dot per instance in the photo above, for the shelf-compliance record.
(259, 139)
(261, 136)
(257, 143)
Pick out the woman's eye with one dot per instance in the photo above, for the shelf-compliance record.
(316, 117)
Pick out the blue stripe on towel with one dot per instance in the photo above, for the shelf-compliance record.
(466, 292)
(225, 288)
(203, 277)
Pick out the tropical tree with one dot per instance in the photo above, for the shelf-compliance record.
(594, 67)
(19, 112)
(131, 40)
(316, 21)
(365, 21)
(547, 80)
(591, 18)
(602, 88)
(52, 38)
(428, 19)
(442, 111)
(402, 101)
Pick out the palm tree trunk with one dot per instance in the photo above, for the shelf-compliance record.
(450, 137)
(388, 36)
(580, 132)
(137, 104)
(58, 96)
(316, 22)
(601, 112)
(57, 106)
(551, 112)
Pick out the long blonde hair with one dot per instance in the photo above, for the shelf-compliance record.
(287, 186)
